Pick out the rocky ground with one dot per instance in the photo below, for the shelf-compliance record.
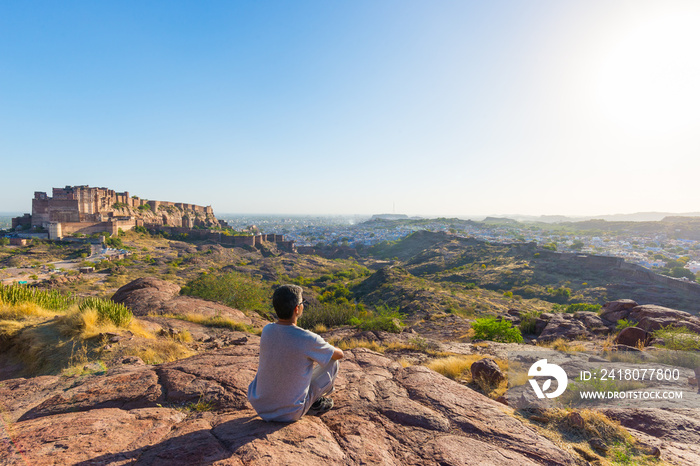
(194, 411)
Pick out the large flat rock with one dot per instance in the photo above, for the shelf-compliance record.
(383, 414)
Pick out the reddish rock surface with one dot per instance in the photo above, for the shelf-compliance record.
(633, 336)
(649, 317)
(563, 326)
(676, 433)
(151, 295)
(488, 370)
(145, 415)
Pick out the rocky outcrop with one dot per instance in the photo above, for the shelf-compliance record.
(150, 295)
(633, 336)
(675, 433)
(563, 326)
(487, 370)
(648, 317)
(195, 412)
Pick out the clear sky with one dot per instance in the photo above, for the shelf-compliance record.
(354, 107)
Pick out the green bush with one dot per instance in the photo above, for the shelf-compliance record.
(678, 338)
(582, 307)
(337, 293)
(559, 295)
(528, 321)
(624, 323)
(119, 314)
(232, 289)
(328, 314)
(50, 300)
(114, 242)
(494, 329)
(384, 318)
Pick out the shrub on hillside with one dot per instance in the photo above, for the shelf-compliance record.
(384, 318)
(528, 321)
(48, 299)
(117, 313)
(232, 289)
(678, 338)
(582, 307)
(327, 314)
(624, 323)
(494, 329)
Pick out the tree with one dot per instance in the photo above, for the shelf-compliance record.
(577, 245)
(682, 272)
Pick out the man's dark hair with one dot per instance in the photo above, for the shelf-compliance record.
(285, 299)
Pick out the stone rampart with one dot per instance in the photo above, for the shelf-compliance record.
(626, 270)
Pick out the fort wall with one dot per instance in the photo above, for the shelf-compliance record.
(625, 270)
(86, 210)
(74, 205)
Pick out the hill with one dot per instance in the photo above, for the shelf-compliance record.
(456, 265)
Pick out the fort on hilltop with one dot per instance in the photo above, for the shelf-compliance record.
(86, 210)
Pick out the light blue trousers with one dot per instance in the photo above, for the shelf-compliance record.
(322, 380)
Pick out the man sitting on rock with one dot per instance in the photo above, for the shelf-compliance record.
(287, 385)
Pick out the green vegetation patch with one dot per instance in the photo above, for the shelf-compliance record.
(116, 313)
(494, 329)
(233, 289)
(51, 300)
(384, 318)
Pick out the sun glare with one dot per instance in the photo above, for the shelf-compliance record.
(648, 83)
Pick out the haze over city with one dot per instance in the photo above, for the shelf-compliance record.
(447, 108)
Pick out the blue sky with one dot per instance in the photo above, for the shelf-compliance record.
(354, 107)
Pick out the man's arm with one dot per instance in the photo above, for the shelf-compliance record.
(337, 354)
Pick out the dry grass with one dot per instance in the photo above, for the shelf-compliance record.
(88, 324)
(457, 367)
(48, 342)
(356, 343)
(412, 345)
(320, 328)
(23, 311)
(517, 374)
(563, 345)
(623, 448)
(607, 344)
(454, 367)
(183, 336)
(215, 321)
(159, 351)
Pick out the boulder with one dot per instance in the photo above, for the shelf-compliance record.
(652, 324)
(512, 319)
(153, 284)
(592, 321)
(515, 312)
(681, 425)
(487, 370)
(150, 295)
(649, 317)
(652, 317)
(542, 322)
(615, 310)
(652, 310)
(633, 336)
(563, 326)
